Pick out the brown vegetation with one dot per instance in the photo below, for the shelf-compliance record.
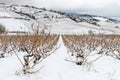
(35, 47)
(82, 46)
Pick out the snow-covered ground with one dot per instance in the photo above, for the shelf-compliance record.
(20, 18)
(99, 18)
(55, 67)
(12, 24)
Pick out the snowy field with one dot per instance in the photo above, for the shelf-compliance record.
(59, 65)
(55, 67)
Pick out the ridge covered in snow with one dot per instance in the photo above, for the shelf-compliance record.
(22, 17)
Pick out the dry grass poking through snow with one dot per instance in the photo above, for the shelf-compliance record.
(83, 46)
(35, 48)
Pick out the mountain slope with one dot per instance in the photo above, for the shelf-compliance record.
(23, 17)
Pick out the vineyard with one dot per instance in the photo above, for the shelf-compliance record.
(82, 46)
(59, 40)
(35, 48)
(46, 52)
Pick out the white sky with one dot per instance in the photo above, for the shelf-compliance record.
(99, 7)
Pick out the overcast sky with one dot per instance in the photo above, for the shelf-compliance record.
(97, 7)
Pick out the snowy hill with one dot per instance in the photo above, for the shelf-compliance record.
(22, 17)
(99, 55)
